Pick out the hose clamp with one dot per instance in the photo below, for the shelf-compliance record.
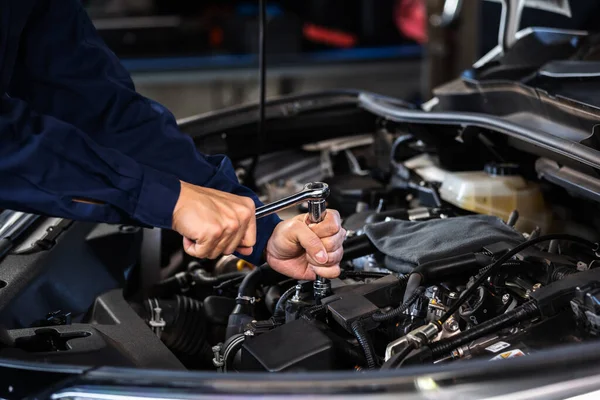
(596, 249)
(245, 299)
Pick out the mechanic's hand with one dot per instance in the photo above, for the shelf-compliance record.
(214, 222)
(302, 251)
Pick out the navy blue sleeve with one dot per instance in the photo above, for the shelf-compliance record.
(65, 70)
(50, 167)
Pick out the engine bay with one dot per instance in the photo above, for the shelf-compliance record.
(446, 260)
(472, 234)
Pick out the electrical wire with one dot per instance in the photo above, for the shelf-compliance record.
(496, 265)
(396, 312)
(365, 342)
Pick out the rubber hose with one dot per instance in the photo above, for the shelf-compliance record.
(365, 343)
(248, 285)
(521, 313)
(230, 282)
(396, 312)
(201, 279)
(280, 306)
(174, 284)
(561, 272)
(414, 281)
(185, 329)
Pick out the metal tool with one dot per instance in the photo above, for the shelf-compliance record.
(316, 194)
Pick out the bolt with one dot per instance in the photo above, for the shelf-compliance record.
(536, 287)
(505, 298)
(248, 333)
(296, 297)
(452, 325)
(581, 266)
(452, 295)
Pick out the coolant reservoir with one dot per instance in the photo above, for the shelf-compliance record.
(498, 191)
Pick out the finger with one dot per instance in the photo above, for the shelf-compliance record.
(315, 250)
(235, 242)
(334, 257)
(245, 236)
(219, 249)
(327, 272)
(249, 218)
(245, 251)
(194, 249)
(329, 226)
(188, 242)
(334, 242)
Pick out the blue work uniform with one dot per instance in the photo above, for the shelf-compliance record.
(73, 127)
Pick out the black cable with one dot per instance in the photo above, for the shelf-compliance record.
(414, 281)
(365, 343)
(279, 311)
(499, 263)
(262, 83)
(505, 265)
(396, 312)
(522, 313)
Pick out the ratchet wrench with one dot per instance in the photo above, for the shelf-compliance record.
(316, 194)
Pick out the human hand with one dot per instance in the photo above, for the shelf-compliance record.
(214, 222)
(302, 251)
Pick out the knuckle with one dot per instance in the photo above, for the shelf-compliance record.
(295, 224)
(245, 213)
(329, 244)
(231, 226)
(249, 203)
(213, 231)
(332, 228)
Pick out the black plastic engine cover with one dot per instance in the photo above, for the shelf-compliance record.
(296, 346)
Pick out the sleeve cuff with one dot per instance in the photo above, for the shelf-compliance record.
(158, 195)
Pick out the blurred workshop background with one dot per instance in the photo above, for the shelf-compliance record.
(197, 56)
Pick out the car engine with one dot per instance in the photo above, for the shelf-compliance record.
(446, 259)
(442, 263)
(439, 266)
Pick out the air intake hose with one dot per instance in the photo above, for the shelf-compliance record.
(184, 331)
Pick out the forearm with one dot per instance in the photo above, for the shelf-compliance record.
(50, 167)
(86, 86)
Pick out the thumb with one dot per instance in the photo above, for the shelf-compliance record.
(312, 244)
